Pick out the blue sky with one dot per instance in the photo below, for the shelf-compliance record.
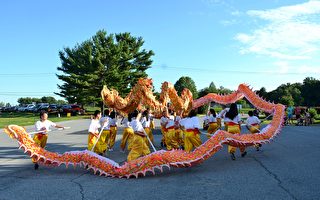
(262, 43)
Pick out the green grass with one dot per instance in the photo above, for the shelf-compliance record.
(25, 119)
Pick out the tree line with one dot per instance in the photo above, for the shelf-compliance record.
(296, 94)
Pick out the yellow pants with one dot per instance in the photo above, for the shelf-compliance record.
(219, 122)
(171, 139)
(103, 141)
(234, 129)
(127, 136)
(150, 135)
(180, 136)
(41, 140)
(113, 134)
(213, 127)
(99, 148)
(138, 148)
(255, 129)
(191, 140)
(152, 126)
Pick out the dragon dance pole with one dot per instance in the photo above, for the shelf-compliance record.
(154, 149)
(98, 138)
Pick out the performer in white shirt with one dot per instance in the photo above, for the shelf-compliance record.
(113, 130)
(191, 128)
(138, 146)
(40, 138)
(233, 123)
(146, 123)
(213, 125)
(105, 135)
(170, 137)
(253, 125)
(163, 121)
(127, 135)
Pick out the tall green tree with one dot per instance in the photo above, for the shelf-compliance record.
(311, 91)
(115, 60)
(186, 82)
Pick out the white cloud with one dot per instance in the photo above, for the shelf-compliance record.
(284, 67)
(291, 32)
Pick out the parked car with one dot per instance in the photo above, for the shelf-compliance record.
(30, 108)
(73, 109)
(53, 108)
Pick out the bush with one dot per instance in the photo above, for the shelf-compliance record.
(313, 112)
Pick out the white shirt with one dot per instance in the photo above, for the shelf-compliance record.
(212, 119)
(113, 122)
(236, 120)
(253, 120)
(94, 126)
(163, 120)
(105, 121)
(223, 112)
(136, 126)
(170, 121)
(45, 124)
(145, 123)
(126, 123)
(191, 123)
(150, 117)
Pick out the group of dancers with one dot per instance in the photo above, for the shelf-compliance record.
(178, 131)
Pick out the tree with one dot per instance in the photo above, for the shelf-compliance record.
(223, 90)
(115, 60)
(49, 100)
(25, 100)
(310, 91)
(211, 89)
(186, 82)
(2, 104)
(262, 92)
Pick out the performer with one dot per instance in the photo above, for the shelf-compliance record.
(221, 116)
(105, 135)
(179, 132)
(170, 135)
(213, 125)
(113, 130)
(40, 138)
(127, 134)
(233, 122)
(253, 125)
(94, 134)
(150, 115)
(138, 146)
(191, 128)
(163, 122)
(145, 121)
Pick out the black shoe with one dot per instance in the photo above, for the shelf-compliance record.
(257, 148)
(233, 157)
(244, 154)
(36, 166)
